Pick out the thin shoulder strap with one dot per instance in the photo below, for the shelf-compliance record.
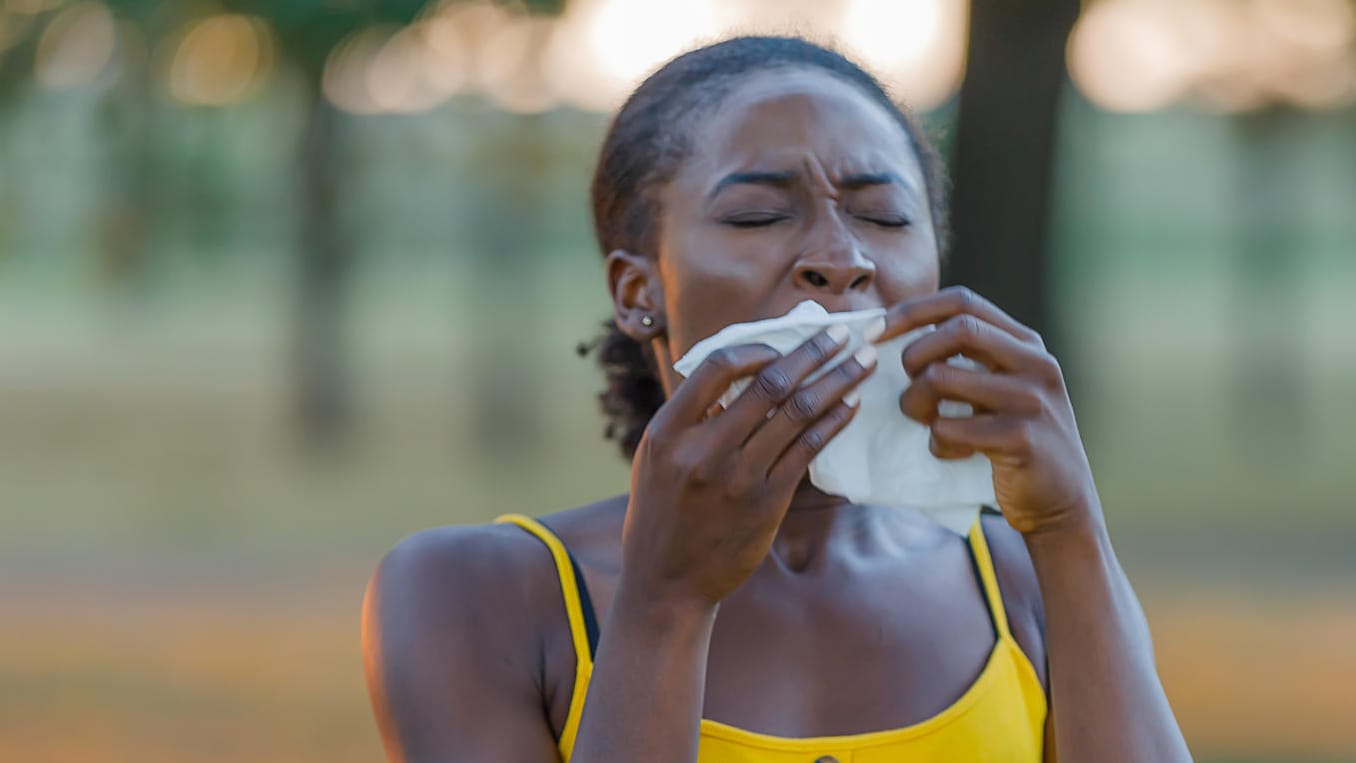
(579, 613)
(578, 606)
(979, 551)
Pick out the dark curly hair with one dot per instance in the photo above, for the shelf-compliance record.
(647, 141)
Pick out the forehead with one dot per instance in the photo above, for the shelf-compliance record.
(777, 120)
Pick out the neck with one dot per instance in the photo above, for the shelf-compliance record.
(809, 522)
(809, 498)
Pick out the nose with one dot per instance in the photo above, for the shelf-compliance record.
(834, 262)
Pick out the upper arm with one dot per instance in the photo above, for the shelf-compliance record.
(452, 661)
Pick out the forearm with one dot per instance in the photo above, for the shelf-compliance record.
(1107, 700)
(649, 678)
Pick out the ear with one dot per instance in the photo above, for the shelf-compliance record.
(636, 292)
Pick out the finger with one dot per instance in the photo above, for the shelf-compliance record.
(776, 382)
(791, 465)
(805, 407)
(987, 392)
(974, 338)
(694, 397)
(995, 434)
(938, 306)
(948, 452)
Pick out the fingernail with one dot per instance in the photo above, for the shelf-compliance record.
(874, 329)
(865, 356)
(839, 333)
(852, 398)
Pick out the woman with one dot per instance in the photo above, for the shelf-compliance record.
(724, 609)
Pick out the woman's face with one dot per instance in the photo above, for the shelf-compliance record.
(799, 187)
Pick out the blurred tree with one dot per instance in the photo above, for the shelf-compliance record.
(18, 46)
(307, 30)
(513, 165)
(129, 204)
(1004, 145)
(1270, 382)
(127, 115)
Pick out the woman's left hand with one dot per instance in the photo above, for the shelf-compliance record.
(1022, 420)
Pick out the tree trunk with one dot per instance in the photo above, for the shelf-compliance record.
(1003, 154)
(509, 237)
(325, 256)
(1270, 383)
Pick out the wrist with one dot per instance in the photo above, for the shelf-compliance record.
(1079, 530)
(642, 606)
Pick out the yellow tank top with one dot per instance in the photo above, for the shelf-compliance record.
(1001, 717)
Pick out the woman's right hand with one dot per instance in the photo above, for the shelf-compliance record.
(709, 490)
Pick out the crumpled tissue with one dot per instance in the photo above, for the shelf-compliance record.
(881, 457)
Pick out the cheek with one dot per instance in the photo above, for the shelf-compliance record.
(712, 280)
(908, 275)
(909, 268)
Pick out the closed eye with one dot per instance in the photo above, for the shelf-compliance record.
(754, 220)
(885, 221)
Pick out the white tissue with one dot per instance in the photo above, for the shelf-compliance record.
(881, 457)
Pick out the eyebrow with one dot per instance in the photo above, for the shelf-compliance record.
(778, 179)
(860, 180)
(852, 182)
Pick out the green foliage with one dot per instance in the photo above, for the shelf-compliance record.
(309, 29)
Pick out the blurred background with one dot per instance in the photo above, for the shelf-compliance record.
(283, 281)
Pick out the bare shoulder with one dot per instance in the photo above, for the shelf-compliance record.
(1020, 588)
(457, 566)
(495, 576)
(433, 584)
(452, 644)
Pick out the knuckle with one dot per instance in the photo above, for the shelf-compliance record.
(803, 405)
(967, 327)
(812, 439)
(964, 296)
(690, 465)
(773, 382)
(1051, 370)
(1022, 434)
(723, 359)
(821, 348)
(1030, 403)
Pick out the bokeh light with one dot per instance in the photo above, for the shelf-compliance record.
(1229, 55)
(509, 64)
(76, 46)
(593, 54)
(916, 46)
(221, 60)
(346, 82)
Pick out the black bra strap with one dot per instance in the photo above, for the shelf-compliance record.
(983, 592)
(585, 605)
